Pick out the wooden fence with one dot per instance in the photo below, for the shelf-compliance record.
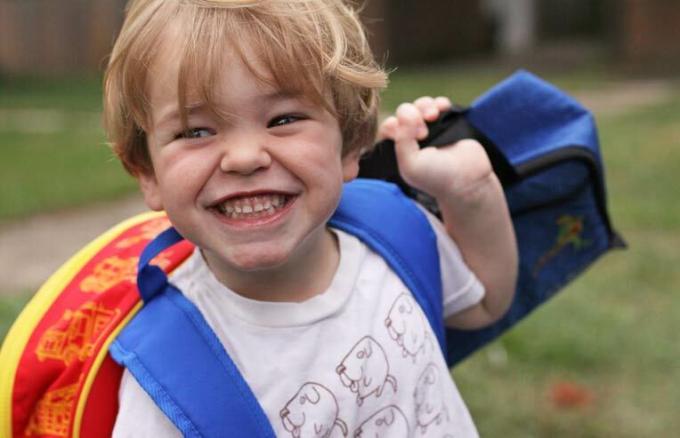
(57, 36)
(45, 37)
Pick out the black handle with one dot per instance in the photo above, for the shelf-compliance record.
(449, 128)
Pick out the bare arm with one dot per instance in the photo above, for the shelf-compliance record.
(471, 200)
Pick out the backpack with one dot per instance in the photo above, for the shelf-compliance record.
(60, 381)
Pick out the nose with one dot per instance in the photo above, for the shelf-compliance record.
(244, 154)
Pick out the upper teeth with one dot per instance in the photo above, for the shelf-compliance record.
(251, 204)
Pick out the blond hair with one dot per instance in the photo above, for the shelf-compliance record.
(316, 47)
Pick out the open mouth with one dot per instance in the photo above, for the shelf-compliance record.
(253, 207)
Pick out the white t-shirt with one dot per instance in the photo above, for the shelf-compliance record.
(359, 357)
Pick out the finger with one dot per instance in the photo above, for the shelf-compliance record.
(442, 103)
(411, 122)
(388, 128)
(427, 108)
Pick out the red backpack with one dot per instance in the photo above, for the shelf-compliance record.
(56, 378)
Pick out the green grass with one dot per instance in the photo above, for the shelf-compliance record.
(10, 306)
(62, 93)
(47, 171)
(613, 331)
(463, 84)
(643, 159)
(53, 152)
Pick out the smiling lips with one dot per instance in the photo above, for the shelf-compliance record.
(252, 207)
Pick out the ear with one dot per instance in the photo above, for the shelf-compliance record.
(151, 191)
(350, 165)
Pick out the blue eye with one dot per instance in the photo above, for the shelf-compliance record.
(193, 133)
(284, 120)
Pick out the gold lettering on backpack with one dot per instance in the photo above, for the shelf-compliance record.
(76, 334)
(53, 412)
(114, 270)
(108, 273)
(146, 232)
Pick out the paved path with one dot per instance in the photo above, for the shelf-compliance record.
(620, 97)
(30, 250)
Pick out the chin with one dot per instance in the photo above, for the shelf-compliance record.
(258, 262)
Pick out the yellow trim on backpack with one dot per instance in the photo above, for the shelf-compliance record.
(94, 370)
(20, 332)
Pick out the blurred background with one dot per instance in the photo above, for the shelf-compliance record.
(599, 360)
(43, 37)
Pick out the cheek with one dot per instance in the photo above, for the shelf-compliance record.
(311, 154)
(326, 143)
(185, 169)
(315, 164)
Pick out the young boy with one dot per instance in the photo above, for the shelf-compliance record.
(242, 120)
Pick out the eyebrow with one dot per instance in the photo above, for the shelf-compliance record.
(268, 97)
(172, 115)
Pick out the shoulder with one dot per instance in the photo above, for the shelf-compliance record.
(371, 192)
(138, 415)
(379, 208)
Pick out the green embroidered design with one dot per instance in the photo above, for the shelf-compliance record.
(569, 232)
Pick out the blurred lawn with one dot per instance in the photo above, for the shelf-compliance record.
(65, 93)
(464, 84)
(53, 152)
(610, 336)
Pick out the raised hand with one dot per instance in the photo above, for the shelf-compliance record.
(451, 170)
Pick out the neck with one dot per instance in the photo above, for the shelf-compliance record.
(306, 273)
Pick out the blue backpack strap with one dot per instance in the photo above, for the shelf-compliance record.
(390, 223)
(151, 280)
(178, 360)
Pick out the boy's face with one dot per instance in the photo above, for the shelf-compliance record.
(253, 189)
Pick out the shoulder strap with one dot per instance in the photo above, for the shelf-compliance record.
(178, 360)
(390, 223)
(176, 357)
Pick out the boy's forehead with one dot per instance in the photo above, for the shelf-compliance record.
(171, 57)
(232, 73)
(191, 71)
(240, 68)
(238, 85)
(163, 70)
